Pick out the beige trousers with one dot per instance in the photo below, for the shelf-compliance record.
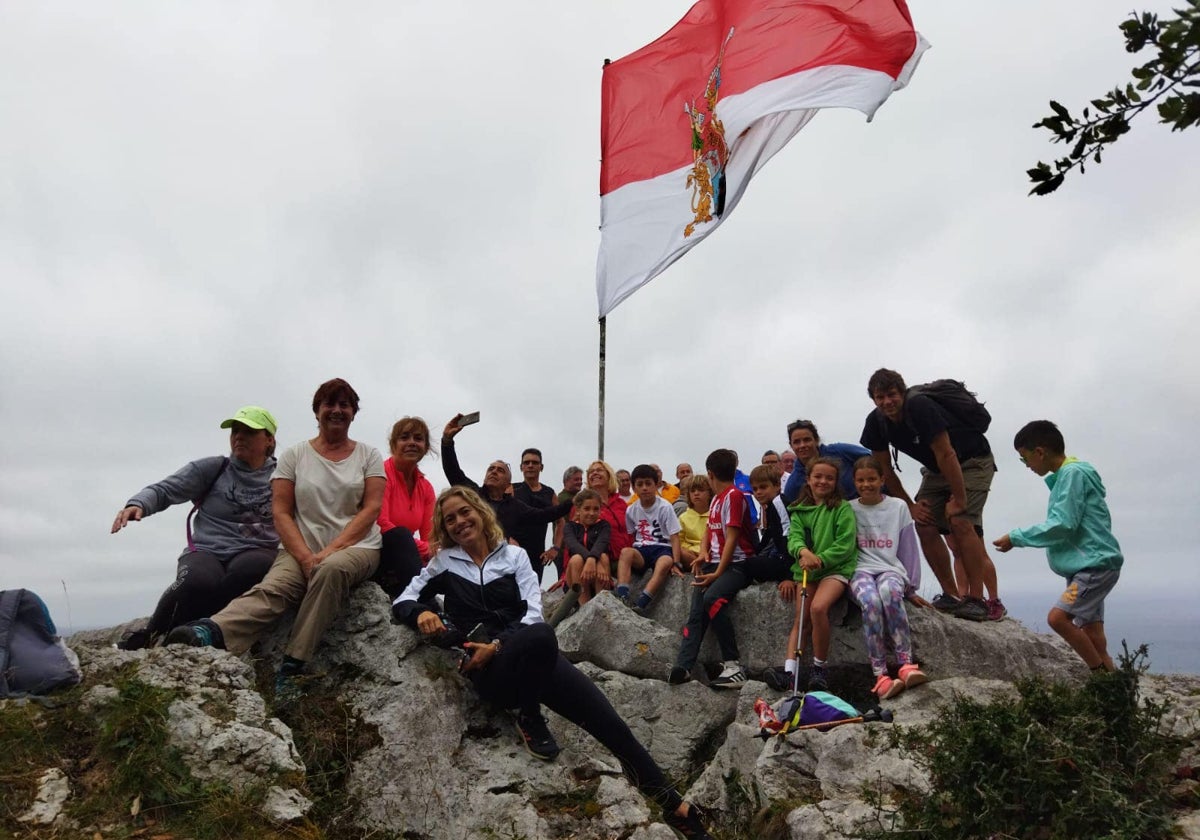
(320, 597)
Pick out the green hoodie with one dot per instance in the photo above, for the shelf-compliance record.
(829, 534)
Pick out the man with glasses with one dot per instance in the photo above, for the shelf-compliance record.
(531, 535)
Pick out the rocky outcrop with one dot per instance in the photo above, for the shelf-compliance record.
(440, 764)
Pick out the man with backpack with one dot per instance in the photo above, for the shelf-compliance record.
(941, 425)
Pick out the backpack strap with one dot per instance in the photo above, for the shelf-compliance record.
(883, 430)
(196, 503)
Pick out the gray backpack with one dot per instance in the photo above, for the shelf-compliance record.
(33, 659)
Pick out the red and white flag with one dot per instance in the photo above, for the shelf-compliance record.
(688, 120)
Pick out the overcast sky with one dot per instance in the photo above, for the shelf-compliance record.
(204, 205)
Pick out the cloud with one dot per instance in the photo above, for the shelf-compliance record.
(207, 206)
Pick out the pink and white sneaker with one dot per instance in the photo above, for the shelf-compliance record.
(886, 688)
(911, 676)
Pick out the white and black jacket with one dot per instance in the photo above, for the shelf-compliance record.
(501, 595)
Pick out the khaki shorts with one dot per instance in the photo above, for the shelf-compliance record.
(977, 478)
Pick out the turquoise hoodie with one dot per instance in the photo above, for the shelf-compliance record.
(1077, 533)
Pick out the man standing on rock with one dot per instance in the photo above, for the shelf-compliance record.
(531, 536)
(956, 477)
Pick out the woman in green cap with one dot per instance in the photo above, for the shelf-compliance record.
(233, 540)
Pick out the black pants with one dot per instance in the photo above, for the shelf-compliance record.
(769, 564)
(205, 584)
(529, 671)
(710, 607)
(399, 561)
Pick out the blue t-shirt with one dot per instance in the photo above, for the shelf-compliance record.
(848, 453)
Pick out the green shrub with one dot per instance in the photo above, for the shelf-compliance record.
(1060, 762)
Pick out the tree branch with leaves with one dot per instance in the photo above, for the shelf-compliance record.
(1163, 82)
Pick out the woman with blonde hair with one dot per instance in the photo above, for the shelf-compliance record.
(488, 584)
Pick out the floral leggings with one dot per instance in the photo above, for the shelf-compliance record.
(881, 597)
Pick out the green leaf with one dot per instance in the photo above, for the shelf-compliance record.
(1048, 186)
(1060, 110)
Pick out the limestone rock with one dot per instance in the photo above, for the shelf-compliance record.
(438, 763)
(53, 791)
(831, 820)
(285, 805)
(218, 721)
(608, 634)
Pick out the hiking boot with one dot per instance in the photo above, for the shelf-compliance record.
(779, 678)
(679, 675)
(886, 688)
(136, 639)
(996, 609)
(946, 603)
(911, 676)
(972, 609)
(690, 827)
(817, 679)
(568, 603)
(733, 675)
(202, 633)
(537, 737)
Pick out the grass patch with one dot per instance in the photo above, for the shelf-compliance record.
(329, 736)
(1059, 762)
(124, 775)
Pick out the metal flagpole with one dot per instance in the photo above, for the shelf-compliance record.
(603, 340)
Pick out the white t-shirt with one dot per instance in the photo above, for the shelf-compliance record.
(886, 539)
(653, 526)
(330, 493)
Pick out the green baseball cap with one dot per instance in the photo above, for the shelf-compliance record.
(254, 416)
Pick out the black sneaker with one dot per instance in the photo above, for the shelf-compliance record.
(691, 826)
(679, 675)
(817, 680)
(136, 639)
(779, 678)
(537, 737)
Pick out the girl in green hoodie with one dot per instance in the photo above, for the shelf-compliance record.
(822, 540)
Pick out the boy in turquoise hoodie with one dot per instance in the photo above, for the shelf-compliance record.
(1078, 539)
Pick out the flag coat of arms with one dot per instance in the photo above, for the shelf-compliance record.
(688, 120)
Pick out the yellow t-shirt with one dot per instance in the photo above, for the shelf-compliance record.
(670, 493)
(694, 530)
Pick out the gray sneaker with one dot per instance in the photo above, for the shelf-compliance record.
(946, 603)
(972, 609)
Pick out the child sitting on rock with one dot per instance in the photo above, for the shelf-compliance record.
(822, 539)
(693, 522)
(888, 572)
(586, 540)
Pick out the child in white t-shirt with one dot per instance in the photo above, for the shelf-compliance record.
(888, 572)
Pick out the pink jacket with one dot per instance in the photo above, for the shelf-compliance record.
(402, 510)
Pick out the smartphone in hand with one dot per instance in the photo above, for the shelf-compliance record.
(469, 419)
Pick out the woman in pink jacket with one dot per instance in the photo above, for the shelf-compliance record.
(406, 518)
